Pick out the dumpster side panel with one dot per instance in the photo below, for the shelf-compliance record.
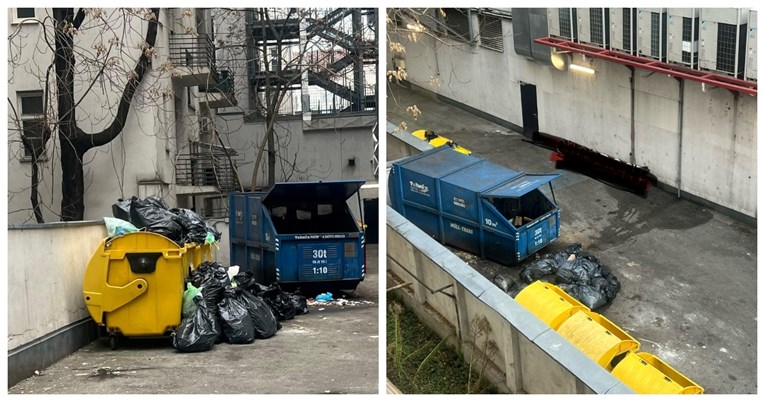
(459, 202)
(418, 188)
(253, 218)
(237, 208)
(500, 247)
(462, 234)
(426, 220)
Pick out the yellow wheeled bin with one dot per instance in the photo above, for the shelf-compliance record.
(597, 337)
(133, 284)
(549, 303)
(645, 373)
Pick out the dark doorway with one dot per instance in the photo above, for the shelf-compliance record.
(529, 108)
(371, 219)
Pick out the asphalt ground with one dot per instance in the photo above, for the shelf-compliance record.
(688, 274)
(331, 350)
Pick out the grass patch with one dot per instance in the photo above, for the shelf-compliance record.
(420, 362)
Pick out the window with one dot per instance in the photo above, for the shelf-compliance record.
(31, 116)
(23, 16)
(564, 17)
(491, 32)
(458, 24)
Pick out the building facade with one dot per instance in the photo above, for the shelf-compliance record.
(698, 138)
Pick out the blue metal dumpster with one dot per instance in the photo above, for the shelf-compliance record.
(472, 204)
(299, 234)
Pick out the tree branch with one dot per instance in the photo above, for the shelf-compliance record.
(114, 129)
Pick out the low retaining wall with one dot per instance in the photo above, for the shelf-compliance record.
(524, 355)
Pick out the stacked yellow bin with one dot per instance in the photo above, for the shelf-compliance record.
(604, 342)
(133, 284)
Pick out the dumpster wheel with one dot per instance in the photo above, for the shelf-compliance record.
(113, 341)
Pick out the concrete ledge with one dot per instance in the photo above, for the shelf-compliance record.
(535, 358)
(42, 352)
(53, 225)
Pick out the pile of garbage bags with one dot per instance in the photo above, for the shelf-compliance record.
(578, 273)
(236, 310)
(152, 213)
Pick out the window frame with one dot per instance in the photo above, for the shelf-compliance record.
(27, 20)
(30, 117)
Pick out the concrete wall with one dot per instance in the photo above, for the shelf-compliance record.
(527, 355)
(317, 154)
(45, 286)
(719, 132)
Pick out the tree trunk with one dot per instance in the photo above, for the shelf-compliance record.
(73, 141)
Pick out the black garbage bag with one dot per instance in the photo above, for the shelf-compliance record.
(157, 202)
(194, 226)
(588, 295)
(572, 272)
(539, 269)
(149, 214)
(244, 280)
(237, 325)
(263, 318)
(213, 279)
(299, 302)
(197, 332)
(504, 282)
(216, 234)
(281, 306)
(121, 209)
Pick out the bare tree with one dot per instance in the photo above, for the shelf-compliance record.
(61, 117)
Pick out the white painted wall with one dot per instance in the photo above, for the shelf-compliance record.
(45, 286)
(321, 154)
(147, 147)
(720, 128)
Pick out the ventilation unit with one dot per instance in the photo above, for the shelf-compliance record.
(593, 26)
(561, 23)
(683, 36)
(652, 33)
(750, 70)
(623, 36)
(722, 40)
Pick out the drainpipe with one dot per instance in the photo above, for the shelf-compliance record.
(632, 115)
(738, 34)
(681, 104)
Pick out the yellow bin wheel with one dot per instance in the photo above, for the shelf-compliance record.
(597, 337)
(133, 284)
(647, 374)
(549, 303)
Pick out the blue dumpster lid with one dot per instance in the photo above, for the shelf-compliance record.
(481, 176)
(315, 191)
(438, 162)
(521, 186)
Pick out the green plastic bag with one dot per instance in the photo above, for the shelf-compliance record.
(117, 227)
(189, 308)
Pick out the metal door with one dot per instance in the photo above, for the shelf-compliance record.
(529, 108)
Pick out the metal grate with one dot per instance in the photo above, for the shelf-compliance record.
(596, 25)
(457, 23)
(627, 28)
(564, 18)
(491, 32)
(726, 47)
(687, 28)
(655, 37)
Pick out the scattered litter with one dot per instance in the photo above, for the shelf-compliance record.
(324, 297)
(338, 302)
(37, 372)
(321, 309)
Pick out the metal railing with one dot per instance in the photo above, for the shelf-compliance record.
(225, 82)
(207, 165)
(189, 50)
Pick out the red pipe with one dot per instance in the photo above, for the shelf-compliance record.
(730, 83)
